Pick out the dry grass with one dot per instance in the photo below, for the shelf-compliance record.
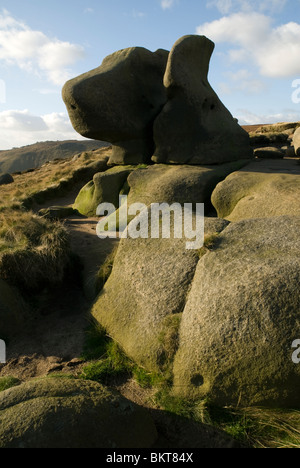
(51, 180)
(33, 250)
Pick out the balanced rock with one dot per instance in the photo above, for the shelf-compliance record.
(118, 102)
(262, 189)
(157, 105)
(194, 127)
(69, 413)
(242, 317)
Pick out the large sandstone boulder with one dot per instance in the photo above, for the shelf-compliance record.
(118, 102)
(142, 302)
(242, 316)
(165, 183)
(261, 189)
(67, 413)
(194, 127)
(104, 188)
(296, 141)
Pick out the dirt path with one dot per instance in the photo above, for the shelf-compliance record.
(53, 339)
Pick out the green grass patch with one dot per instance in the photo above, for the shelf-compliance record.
(109, 361)
(8, 382)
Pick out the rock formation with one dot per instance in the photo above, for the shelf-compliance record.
(120, 100)
(194, 127)
(157, 105)
(69, 413)
(262, 189)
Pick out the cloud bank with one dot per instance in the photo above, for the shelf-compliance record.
(35, 52)
(274, 50)
(21, 128)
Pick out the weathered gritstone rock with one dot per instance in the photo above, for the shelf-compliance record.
(164, 183)
(145, 103)
(194, 127)
(119, 101)
(104, 188)
(242, 316)
(269, 152)
(142, 301)
(261, 189)
(67, 413)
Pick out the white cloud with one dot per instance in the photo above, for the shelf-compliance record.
(275, 51)
(249, 118)
(228, 6)
(22, 128)
(34, 52)
(88, 10)
(167, 4)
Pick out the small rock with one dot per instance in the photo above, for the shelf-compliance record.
(270, 152)
(6, 179)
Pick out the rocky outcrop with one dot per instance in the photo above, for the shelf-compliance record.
(261, 189)
(165, 183)
(241, 318)
(157, 104)
(221, 319)
(119, 101)
(104, 188)
(194, 127)
(142, 302)
(68, 413)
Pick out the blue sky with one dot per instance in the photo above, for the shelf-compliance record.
(255, 64)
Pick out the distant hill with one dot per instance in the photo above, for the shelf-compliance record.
(33, 156)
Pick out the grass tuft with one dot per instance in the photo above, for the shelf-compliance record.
(8, 382)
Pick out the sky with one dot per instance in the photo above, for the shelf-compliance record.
(255, 68)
